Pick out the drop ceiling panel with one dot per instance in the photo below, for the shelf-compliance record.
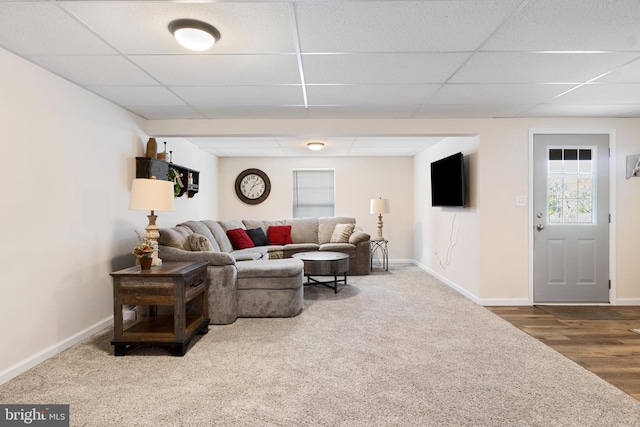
(396, 26)
(519, 67)
(362, 112)
(382, 67)
(138, 96)
(602, 94)
(571, 25)
(42, 28)
(193, 70)
(627, 74)
(94, 70)
(370, 94)
(270, 112)
(470, 111)
(167, 113)
(235, 96)
(498, 94)
(140, 27)
(558, 110)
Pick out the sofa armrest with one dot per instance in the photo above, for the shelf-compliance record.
(358, 237)
(168, 253)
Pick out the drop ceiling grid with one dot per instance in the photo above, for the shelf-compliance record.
(379, 59)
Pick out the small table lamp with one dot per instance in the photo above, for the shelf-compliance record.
(152, 195)
(380, 206)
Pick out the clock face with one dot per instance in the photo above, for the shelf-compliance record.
(252, 186)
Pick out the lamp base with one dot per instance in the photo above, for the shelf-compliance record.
(379, 228)
(152, 237)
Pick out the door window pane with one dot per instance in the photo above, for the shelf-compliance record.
(570, 186)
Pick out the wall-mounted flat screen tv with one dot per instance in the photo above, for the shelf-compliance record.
(448, 181)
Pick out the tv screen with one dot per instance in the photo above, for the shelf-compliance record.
(447, 181)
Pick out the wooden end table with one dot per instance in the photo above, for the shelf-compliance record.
(173, 306)
(325, 263)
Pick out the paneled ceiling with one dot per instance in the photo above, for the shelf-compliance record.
(341, 59)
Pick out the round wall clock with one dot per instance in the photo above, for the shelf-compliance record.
(253, 186)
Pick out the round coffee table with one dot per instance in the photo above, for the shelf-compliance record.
(323, 263)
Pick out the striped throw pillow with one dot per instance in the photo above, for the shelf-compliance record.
(341, 233)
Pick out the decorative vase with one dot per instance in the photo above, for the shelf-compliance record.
(145, 262)
(152, 148)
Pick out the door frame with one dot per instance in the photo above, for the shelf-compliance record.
(612, 202)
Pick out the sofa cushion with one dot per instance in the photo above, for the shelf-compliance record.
(275, 269)
(264, 224)
(341, 233)
(176, 237)
(230, 225)
(258, 237)
(327, 224)
(304, 230)
(219, 234)
(199, 243)
(279, 235)
(239, 239)
(201, 228)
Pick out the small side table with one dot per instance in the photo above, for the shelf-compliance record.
(380, 246)
(181, 286)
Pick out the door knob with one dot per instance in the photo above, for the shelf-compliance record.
(539, 227)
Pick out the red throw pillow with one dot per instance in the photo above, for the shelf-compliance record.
(279, 235)
(240, 239)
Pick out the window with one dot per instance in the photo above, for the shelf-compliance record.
(570, 190)
(313, 193)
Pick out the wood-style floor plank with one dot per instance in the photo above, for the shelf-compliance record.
(603, 344)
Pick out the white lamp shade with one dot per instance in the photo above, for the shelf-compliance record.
(380, 206)
(151, 195)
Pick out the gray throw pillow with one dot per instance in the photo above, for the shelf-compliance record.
(199, 243)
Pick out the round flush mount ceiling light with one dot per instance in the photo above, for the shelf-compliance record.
(315, 145)
(194, 35)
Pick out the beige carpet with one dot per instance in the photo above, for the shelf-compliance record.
(393, 349)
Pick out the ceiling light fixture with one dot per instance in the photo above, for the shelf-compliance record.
(315, 145)
(194, 35)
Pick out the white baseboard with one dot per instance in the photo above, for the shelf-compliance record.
(25, 365)
(627, 301)
(449, 283)
(472, 297)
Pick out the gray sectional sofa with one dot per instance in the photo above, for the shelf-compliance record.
(263, 280)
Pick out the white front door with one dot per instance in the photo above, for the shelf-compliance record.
(571, 218)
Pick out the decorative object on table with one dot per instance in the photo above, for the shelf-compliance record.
(163, 155)
(633, 166)
(152, 195)
(152, 148)
(144, 253)
(252, 186)
(171, 156)
(380, 206)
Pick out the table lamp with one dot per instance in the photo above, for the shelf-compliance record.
(380, 206)
(152, 195)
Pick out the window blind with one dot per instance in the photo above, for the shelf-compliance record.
(313, 193)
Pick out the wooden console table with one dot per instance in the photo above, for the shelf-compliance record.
(172, 302)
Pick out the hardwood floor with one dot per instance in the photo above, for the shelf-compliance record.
(597, 338)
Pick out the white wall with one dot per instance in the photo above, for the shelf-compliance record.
(357, 180)
(452, 233)
(503, 174)
(69, 161)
